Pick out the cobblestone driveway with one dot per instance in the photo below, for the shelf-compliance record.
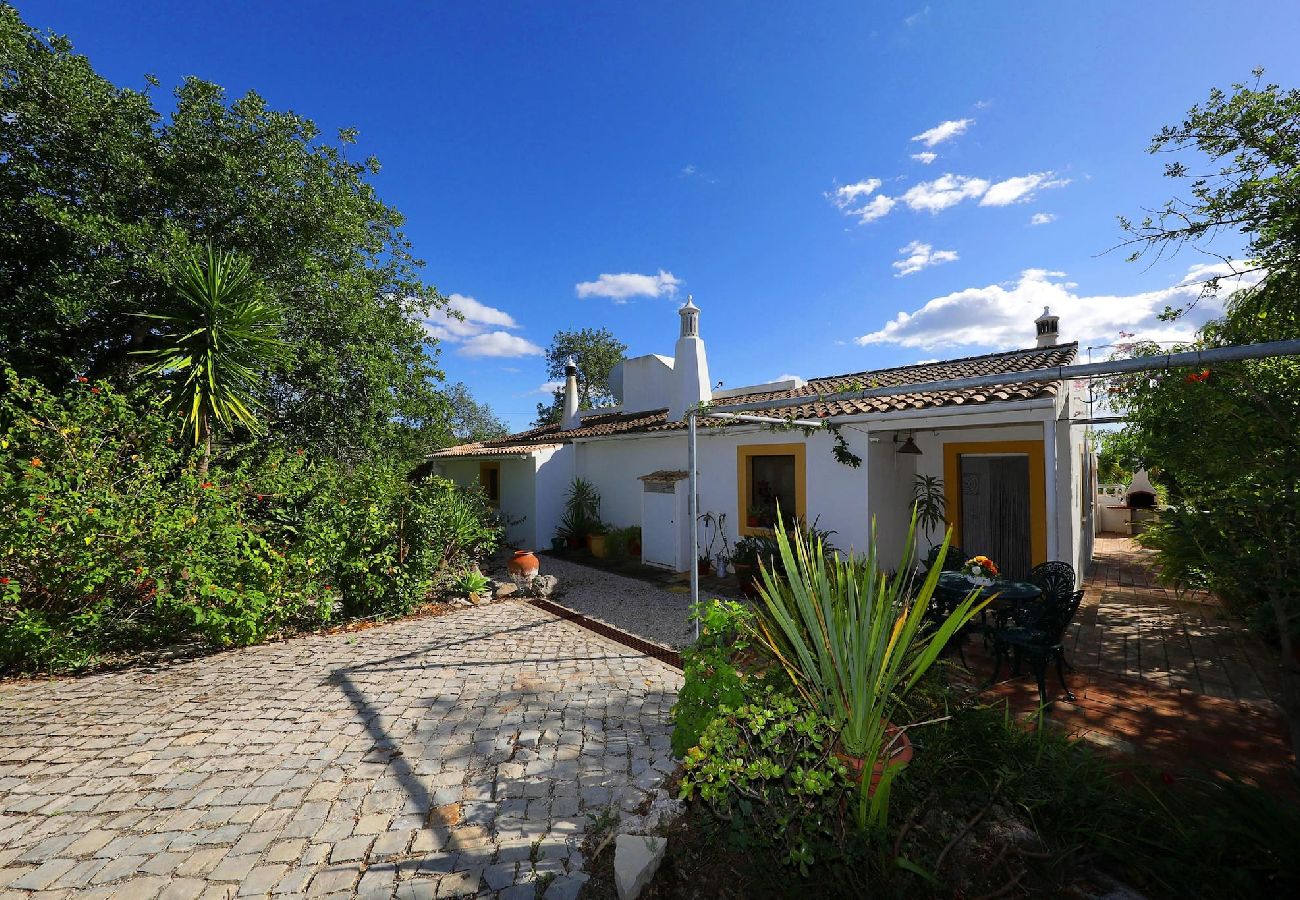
(435, 757)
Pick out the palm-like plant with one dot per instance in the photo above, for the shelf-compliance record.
(929, 502)
(216, 346)
(849, 635)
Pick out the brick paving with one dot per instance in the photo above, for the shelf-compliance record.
(1169, 679)
(1131, 626)
(463, 755)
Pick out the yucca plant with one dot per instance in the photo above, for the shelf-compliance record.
(850, 636)
(216, 346)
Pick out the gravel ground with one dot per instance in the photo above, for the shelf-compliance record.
(637, 607)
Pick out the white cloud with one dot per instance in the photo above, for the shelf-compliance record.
(918, 256)
(626, 285)
(848, 197)
(473, 331)
(849, 194)
(917, 16)
(500, 344)
(943, 131)
(945, 191)
(925, 157)
(940, 193)
(1000, 316)
(1021, 189)
(879, 206)
(1042, 218)
(545, 389)
(477, 318)
(788, 377)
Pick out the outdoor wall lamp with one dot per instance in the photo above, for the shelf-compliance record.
(909, 446)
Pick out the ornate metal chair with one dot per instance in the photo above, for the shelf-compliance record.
(950, 563)
(1054, 578)
(1038, 635)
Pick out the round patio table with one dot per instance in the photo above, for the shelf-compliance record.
(954, 586)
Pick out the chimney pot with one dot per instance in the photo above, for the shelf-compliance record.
(690, 364)
(570, 418)
(1047, 328)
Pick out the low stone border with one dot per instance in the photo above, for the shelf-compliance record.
(654, 651)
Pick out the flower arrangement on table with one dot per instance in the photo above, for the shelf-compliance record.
(980, 570)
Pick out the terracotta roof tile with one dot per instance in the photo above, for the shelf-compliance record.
(808, 402)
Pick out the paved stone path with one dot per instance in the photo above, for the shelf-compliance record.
(1169, 680)
(1131, 626)
(438, 757)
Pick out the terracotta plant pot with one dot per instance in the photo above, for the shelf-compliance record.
(597, 545)
(746, 580)
(634, 547)
(523, 566)
(705, 568)
(902, 755)
(574, 543)
(558, 544)
(753, 521)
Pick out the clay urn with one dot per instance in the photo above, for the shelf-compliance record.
(523, 566)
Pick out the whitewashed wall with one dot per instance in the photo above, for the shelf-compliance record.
(836, 493)
(889, 488)
(932, 441)
(553, 477)
(517, 493)
(613, 466)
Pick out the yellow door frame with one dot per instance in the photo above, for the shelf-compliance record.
(483, 468)
(1037, 489)
(743, 453)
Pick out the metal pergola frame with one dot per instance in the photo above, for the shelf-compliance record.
(744, 412)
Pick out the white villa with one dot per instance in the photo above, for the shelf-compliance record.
(1018, 478)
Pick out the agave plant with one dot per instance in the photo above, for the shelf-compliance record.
(216, 346)
(850, 636)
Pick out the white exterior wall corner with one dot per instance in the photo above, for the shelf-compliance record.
(553, 474)
(519, 496)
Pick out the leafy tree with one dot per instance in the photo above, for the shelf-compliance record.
(1227, 440)
(102, 196)
(596, 352)
(1251, 139)
(217, 347)
(470, 420)
(1116, 457)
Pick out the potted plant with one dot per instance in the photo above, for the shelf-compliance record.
(851, 640)
(597, 541)
(929, 501)
(581, 516)
(754, 517)
(704, 565)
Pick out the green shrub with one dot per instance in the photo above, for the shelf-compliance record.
(114, 542)
(710, 677)
(767, 766)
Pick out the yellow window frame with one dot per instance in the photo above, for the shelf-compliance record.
(743, 455)
(1037, 489)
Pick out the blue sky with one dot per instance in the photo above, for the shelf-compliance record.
(547, 154)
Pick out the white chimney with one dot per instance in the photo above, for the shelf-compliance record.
(690, 365)
(1048, 328)
(570, 419)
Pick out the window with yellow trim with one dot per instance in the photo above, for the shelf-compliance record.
(770, 476)
(489, 476)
